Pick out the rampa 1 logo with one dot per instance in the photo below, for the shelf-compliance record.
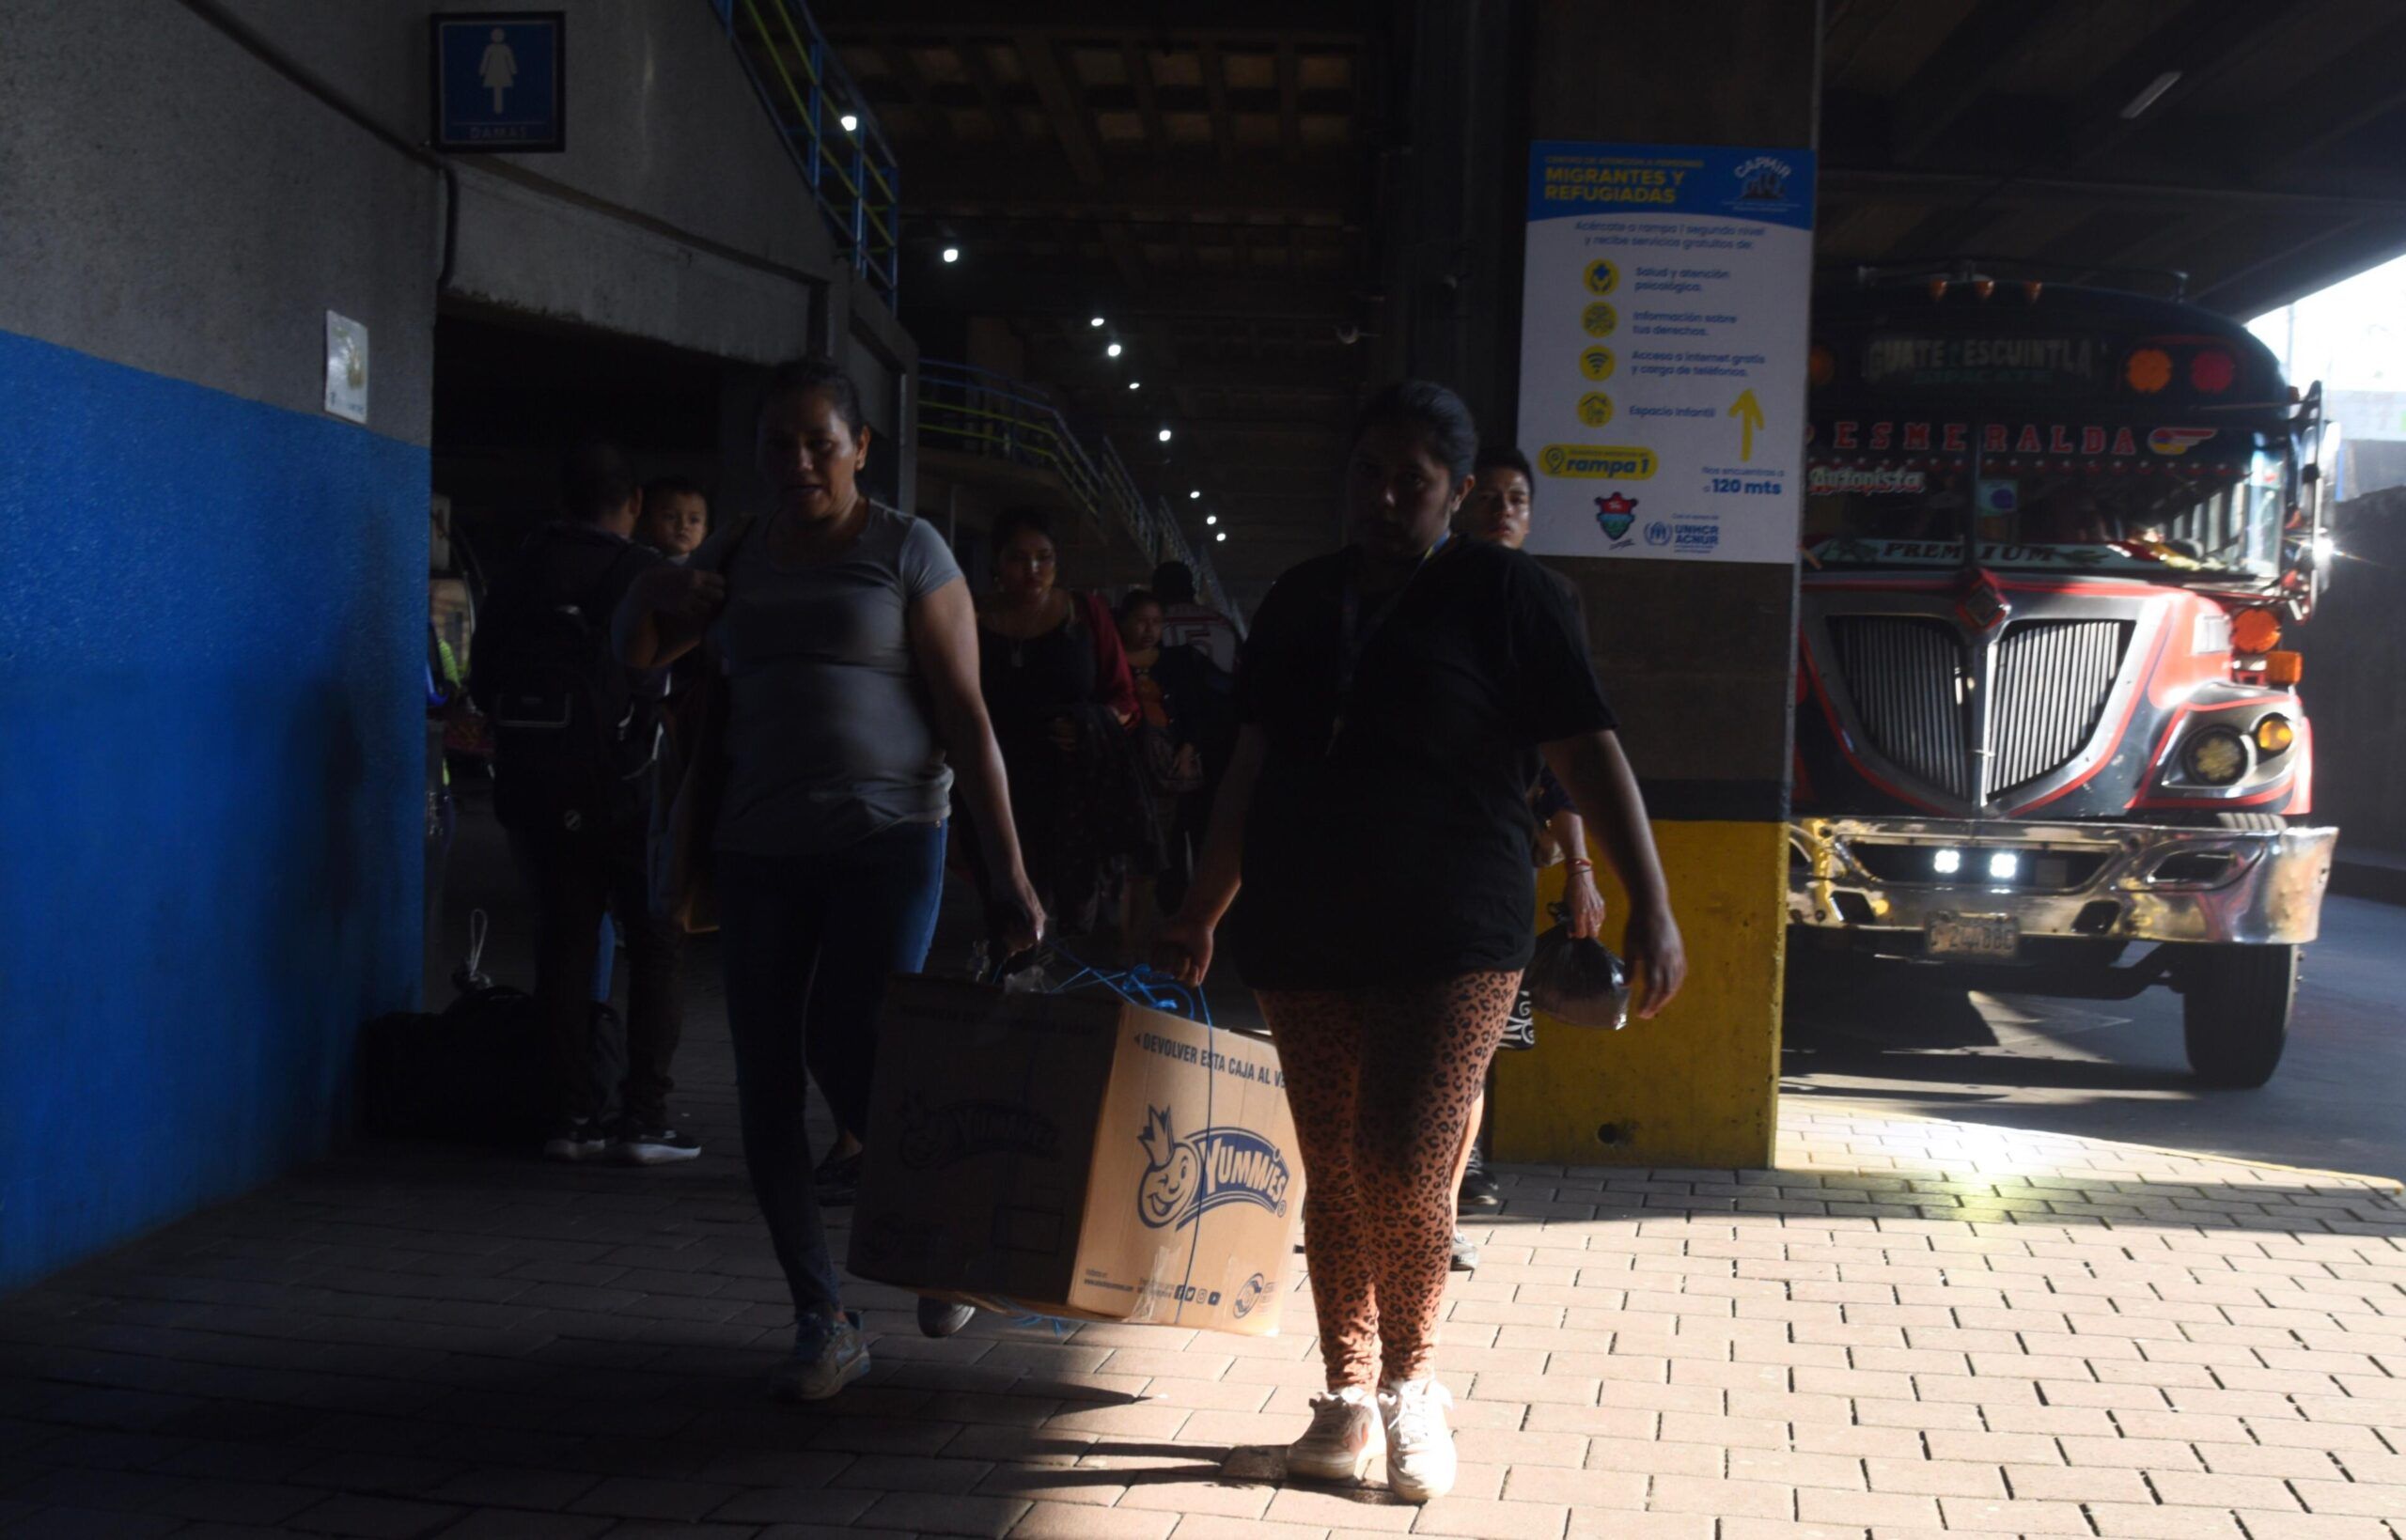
(1615, 514)
(1185, 1178)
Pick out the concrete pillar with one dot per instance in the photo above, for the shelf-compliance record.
(1698, 658)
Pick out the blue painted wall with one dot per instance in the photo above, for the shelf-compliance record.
(211, 805)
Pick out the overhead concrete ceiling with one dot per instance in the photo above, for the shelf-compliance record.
(1207, 179)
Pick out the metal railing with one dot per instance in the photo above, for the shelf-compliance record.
(851, 173)
(965, 408)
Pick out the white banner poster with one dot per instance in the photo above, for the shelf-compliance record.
(1664, 328)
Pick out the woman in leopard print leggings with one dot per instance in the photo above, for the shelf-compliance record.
(1373, 817)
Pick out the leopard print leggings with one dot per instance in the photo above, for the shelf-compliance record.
(1382, 1083)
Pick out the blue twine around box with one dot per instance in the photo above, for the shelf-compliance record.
(1139, 985)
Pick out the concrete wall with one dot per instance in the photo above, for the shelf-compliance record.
(211, 804)
(2355, 680)
(209, 810)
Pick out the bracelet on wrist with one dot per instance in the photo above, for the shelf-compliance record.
(1581, 865)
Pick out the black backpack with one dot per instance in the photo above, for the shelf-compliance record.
(572, 743)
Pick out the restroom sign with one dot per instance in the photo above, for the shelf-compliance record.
(500, 80)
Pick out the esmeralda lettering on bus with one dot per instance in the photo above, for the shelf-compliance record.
(1994, 438)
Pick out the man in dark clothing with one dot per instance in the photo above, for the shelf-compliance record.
(576, 735)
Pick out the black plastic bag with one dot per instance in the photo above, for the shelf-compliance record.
(1578, 981)
(477, 1072)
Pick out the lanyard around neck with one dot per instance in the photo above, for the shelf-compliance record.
(1355, 636)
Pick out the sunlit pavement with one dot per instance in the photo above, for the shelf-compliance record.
(1911, 1325)
(1904, 1041)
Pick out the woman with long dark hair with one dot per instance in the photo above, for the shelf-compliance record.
(1058, 688)
(850, 649)
(1375, 817)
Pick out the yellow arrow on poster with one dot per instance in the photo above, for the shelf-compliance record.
(1749, 413)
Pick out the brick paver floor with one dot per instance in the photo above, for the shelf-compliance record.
(1909, 1328)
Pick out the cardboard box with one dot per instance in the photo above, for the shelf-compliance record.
(1077, 1156)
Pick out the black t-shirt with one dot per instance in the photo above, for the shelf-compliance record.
(1396, 847)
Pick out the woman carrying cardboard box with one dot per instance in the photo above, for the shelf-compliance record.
(1375, 818)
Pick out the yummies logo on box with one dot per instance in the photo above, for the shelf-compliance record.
(1188, 1175)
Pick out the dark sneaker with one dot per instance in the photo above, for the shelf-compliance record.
(828, 1355)
(1520, 1027)
(1465, 1254)
(837, 1180)
(636, 1143)
(942, 1319)
(579, 1141)
(1479, 1189)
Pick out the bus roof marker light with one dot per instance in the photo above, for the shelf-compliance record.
(2149, 95)
(2254, 632)
(2211, 371)
(2147, 370)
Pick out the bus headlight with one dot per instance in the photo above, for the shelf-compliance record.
(2215, 757)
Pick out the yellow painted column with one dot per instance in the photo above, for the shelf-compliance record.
(1697, 1086)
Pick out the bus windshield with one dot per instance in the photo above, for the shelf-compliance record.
(2214, 519)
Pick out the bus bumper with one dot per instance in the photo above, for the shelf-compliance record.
(1969, 888)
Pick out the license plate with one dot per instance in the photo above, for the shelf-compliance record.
(1989, 937)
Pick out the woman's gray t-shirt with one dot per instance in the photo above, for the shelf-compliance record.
(828, 728)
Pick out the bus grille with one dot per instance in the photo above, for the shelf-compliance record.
(1911, 681)
(2053, 680)
(1910, 686)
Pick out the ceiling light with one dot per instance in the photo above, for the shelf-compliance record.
(2152, 93)
(1210, 518)
(1164, 435)
(1095, 321)
(952, 254)
(849, 122)
(1222, 536)
(1135, 384)
(1112, 352)
(1196, 493)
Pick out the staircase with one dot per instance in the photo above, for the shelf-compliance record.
(851, 171)
(970, 410)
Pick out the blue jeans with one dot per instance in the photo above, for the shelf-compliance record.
(809, 943)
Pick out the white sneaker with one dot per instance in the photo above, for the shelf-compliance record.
(1420, 1447)
(1342, 1440)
